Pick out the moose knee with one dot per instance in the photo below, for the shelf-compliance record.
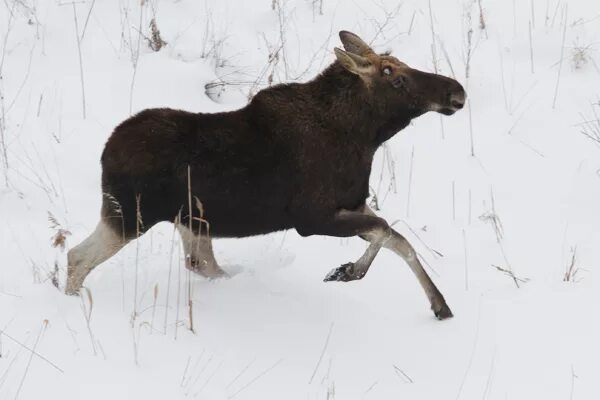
(401, 246)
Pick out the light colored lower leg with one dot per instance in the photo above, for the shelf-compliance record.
(377, 239)
(102, 244)
(199, 253)
(399, 245)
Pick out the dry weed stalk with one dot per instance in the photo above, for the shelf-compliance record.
(188, 259)
(59, 239)
(433, 44)
(29, 349)
(562, 50)
(481, 17)
(402, 375)
(572, 271)
(139, 226)
(590, 126)
(511, 274)
(155, 42)
(87, 314)
(255, 379)
(42, 330)
(317, 7)
(493, 218)
(154, 299)
(321, 354)
(388, 163)
(3, 111)
(175, 223)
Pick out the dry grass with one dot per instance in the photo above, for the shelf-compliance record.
(59, 239)
(511, 274)
(87, 309)
(581, 55)
(590, 125)
(572, 271)
(155, 41)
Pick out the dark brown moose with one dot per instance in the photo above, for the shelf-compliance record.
(298, 156)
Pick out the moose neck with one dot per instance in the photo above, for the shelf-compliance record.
(345, 101)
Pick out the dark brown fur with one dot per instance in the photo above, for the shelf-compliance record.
(291, 158)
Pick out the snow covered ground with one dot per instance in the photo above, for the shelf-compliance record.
(509, 182)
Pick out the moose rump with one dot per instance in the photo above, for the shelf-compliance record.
(160, 159)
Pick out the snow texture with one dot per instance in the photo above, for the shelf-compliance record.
(499, 201)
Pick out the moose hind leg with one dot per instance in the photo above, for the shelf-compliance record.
(102, 244)
(199, 256)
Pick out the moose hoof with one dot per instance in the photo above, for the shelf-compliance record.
(220, 274)
(70, 291)
(442, 312)
(344, 273)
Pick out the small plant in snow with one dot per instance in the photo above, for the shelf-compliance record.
(155, 41)
(590, 125)
(580, 55)
(572, 270)
(59, 238)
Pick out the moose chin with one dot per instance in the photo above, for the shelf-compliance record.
(298, 156)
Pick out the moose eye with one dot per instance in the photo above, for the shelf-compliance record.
(387, 71)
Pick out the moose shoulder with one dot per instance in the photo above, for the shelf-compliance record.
(298, 156)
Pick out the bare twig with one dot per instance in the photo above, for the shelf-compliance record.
(410, 175)
(572, 270)
(321, 355)
(155, 42)
(562, 50)
(531, 47)
(590, 126)
(87, 19)
(453, 200)
(402, 374)
(87, 314)
(472, 356)
(175, 223)
(3, 111)
(188, 256)
(42, 330)
(255, 379)
(135, 57)
(80, 59)
(32, 351)
(240, 373)
(573, 377)
(481, 18)
(433, 45)
(466, 260)
(511, 274)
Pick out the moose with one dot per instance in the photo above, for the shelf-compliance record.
(297, 156)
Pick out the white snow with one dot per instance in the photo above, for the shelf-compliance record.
(275, 330)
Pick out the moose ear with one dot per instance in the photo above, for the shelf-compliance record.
(356, 64)
(353, 44)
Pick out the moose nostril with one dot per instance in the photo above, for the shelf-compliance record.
(457, 104)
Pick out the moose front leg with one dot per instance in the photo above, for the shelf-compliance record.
(346, 223)
(378, 232)
(399, 245)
